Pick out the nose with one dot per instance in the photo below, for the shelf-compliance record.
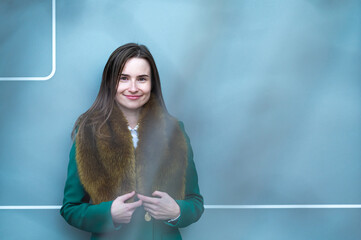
(133, 86)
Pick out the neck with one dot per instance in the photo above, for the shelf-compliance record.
(132, 117)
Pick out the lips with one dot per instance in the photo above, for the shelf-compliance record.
(133, 97)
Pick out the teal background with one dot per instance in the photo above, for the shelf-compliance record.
(269, 92)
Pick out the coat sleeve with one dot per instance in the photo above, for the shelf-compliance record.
(77, 210)
(191, 208)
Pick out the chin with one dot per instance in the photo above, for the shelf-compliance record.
(135, 107)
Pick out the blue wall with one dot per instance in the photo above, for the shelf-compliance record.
(269, 92)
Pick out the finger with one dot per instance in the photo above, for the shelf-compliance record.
(149, 206)
(150, 211)
(126, 196)
(159, 194)
(155, 215)
(146, 199)
(134, 205)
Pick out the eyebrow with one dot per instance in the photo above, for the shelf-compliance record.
(127, 75)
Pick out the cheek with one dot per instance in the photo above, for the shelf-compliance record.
(147, 94)
(121, 88)
(118, 88)
(149, 87)
(146, 89)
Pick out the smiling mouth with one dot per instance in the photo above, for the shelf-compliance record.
(133, 97)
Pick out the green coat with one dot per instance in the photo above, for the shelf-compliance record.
(78, 212)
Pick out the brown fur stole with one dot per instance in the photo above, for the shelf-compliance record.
(111, 167)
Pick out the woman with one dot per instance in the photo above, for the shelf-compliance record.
(131, 173)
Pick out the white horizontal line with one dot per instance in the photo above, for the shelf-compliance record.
(283, 206)
(287, 206)
(29, 207)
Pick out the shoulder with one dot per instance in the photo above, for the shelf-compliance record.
(175, 121)
(182, 129)
(181, 124)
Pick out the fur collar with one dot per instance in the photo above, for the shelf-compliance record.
(111, 167)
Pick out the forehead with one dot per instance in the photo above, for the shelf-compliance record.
(136, 66)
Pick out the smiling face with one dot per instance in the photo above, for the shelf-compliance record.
(134, 85)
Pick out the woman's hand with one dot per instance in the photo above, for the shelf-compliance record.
(161, 207)
(122, 212)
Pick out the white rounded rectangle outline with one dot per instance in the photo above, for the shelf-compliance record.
(53, 68)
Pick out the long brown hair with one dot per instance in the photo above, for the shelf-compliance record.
(102, 107)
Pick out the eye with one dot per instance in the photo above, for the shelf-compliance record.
(142, 79)
(123, 78)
